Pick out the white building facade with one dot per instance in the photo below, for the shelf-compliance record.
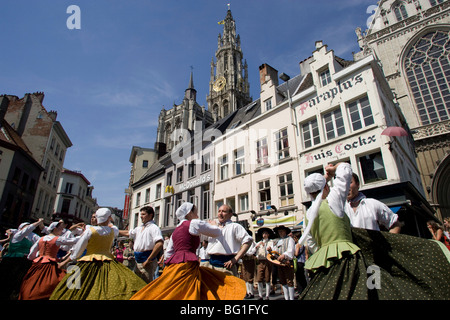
(341, 118)
(256, 166)
(147, 191)
(74, 200)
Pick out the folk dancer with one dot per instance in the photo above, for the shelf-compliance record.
(368, 213)
(148, 242)
(226, 250)
(248, 267)
(15, 264)
(183, 277)
(46, 271)
(285, 246)
(403, 267)
(264, 268)
(97, 275)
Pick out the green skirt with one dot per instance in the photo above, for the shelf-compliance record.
(388, 267)
(98, 280)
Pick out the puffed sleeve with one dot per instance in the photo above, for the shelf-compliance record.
(201, 227)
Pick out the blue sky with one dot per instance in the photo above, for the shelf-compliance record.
(109, 80)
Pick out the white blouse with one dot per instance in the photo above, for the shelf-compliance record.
(62, 240)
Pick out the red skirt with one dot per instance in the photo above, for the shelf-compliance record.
(41, 280)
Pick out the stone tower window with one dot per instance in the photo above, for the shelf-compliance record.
(427, 67)
(400, 11)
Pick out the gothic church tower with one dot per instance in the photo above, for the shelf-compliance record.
(228, 85)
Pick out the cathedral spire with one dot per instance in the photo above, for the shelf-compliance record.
(190, 92)
(229, 88)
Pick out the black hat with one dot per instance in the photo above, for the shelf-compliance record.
(282, 228)
(270, 231)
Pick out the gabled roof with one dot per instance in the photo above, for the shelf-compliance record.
(10, 139)
(9, 135)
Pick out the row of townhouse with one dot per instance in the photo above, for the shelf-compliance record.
(256, 159)
(33, 181)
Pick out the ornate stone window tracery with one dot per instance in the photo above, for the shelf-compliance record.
(427, 67)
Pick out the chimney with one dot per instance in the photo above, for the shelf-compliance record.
(40, 96)
(25, 114)
(4, 102)
(53, 114)
(267, 73)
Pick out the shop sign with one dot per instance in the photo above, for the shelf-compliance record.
(330, 94)
(340, 148)
(195, 182)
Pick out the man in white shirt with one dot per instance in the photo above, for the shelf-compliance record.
(148, 241)
(225, 251)
(369, 213)
(285, 246)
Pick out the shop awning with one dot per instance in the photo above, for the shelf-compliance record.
(289, 220)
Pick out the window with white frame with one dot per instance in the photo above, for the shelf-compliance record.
(191, 169)
(167, 213)
(333, 124)
(264, 195)
(268, 104)
(218, 204)
(310, 133)
(239, 161)
(231, 201)
(180, 174)
(69, 187)
(169, 178)
(206, 164)
(138, 199)
(178, 200)
(147, 195)
(205, 201)
(52, 172)
(192, 198)
(262, 152)
(286, 187)
(157, 213)
(158, 191)
(243, 202)
(325, 77)
(360, 113)
(282, 143)
(223, 167)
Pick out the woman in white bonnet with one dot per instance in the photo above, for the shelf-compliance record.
(45, 272)
(14, 264)
(361, 264)
(100, 276)
(328, 226)
(183, 277)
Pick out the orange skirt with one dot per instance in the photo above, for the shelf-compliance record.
(40, 281)
(189, 281)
